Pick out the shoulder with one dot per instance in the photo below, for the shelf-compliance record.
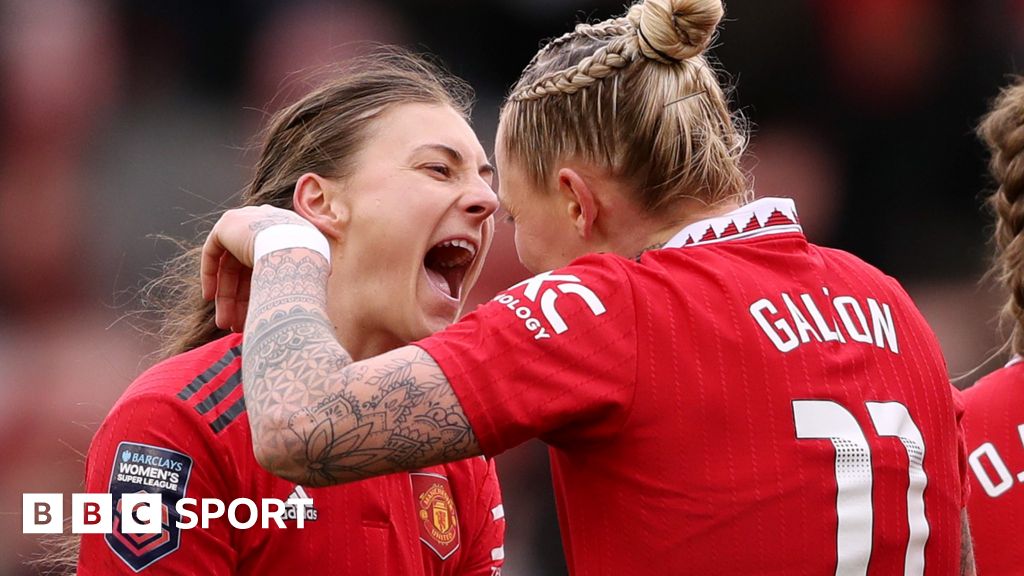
(184, 374)
(186, 388)
(592, 291)
(163, 417)
(605, 276)
(599, 269)
(996, 387)
(844, 262)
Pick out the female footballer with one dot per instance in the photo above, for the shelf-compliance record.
(994, 406)
(383, 160)
(720, 396)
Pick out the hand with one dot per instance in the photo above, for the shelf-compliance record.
(226, 265)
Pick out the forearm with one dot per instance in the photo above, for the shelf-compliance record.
(291, 359)
(317, 418)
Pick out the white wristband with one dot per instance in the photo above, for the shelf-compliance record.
(285, 236)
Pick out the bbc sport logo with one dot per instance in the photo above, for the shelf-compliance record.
(145, 513)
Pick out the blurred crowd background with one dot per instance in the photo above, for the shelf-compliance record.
(123, 120)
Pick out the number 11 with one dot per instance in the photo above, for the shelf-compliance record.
(827, 420)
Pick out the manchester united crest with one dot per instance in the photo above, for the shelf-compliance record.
(438, 519)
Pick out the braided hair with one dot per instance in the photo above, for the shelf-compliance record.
(637, 95)
(1002, 130)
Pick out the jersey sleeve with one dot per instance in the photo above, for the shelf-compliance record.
(554, 357)
(152, 443)
(485, 539)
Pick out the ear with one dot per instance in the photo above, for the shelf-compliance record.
(315, 199)
(582, 205)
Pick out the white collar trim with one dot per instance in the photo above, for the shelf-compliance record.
(759, 218)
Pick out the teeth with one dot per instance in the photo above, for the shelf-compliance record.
(460, 260)
(459, 243)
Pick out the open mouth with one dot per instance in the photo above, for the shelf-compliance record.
(447, 263)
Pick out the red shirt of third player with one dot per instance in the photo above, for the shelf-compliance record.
(994, 424)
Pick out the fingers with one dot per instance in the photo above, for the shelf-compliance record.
(209, 264)
(242, 300)
(227, 258)
(227, 278)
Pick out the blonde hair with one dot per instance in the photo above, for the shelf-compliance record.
(1002, 130)
(637, 95)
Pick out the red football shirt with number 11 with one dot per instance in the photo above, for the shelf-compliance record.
(739, 402)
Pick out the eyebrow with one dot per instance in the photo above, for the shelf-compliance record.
(456, 157)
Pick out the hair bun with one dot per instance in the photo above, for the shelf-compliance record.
(674, 30)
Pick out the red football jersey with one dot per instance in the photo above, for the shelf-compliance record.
(739, 402)
(994, 424)
(181, 430)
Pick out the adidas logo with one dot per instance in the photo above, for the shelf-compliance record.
(291, 510)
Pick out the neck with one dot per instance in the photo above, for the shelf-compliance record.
(362, 345)
(643, 232)
(358, 329)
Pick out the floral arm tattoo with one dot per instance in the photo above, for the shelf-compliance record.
(319, 419)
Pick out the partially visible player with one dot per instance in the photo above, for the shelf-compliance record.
(994, 418)
(720, 396)
(383, 160)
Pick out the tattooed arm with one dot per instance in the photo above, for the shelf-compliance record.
(317, 418)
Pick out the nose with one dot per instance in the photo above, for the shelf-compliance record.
(480, 200)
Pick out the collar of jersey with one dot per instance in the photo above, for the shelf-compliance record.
(759, 218)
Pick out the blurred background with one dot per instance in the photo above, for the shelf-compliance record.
(125, 119)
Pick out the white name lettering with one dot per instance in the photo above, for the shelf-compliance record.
(790, 322)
